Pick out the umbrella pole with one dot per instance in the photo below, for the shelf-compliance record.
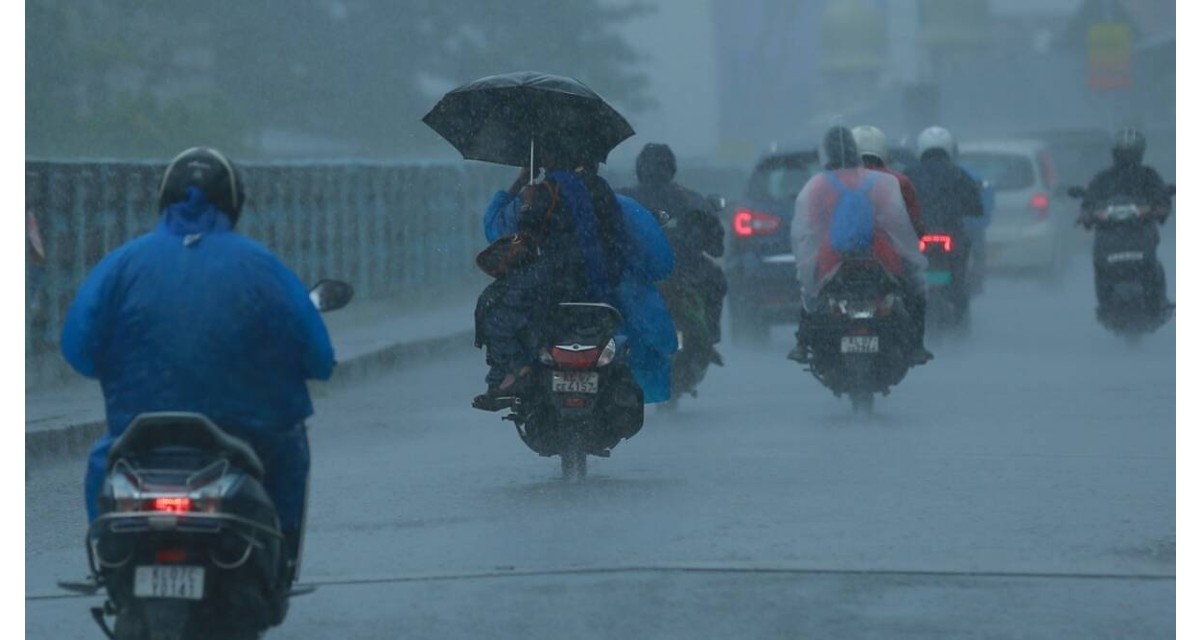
(531, 161)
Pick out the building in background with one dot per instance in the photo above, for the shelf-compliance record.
(788, 69)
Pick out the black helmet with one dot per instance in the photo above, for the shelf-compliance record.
(838, 149)
(1129, 146)
(655, 164)
(211, 172)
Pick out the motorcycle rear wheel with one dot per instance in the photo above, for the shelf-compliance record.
(574, 458)
(863, 402)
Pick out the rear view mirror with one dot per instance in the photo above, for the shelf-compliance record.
(1075, 192)
(330, 295)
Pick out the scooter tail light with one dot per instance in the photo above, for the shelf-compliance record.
(944, 241)
(171, 504)
(575, 359)
(609, 353)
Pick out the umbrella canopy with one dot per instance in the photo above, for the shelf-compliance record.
(495, 119)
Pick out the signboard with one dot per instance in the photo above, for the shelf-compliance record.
(1110, 55)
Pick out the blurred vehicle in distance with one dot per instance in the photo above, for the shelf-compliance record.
(1032, 220)
(761, 269)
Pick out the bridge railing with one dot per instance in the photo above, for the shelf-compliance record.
(400, 231)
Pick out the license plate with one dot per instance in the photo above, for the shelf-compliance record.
(169, 581)
(941, 278)
(860, 344)
(575, 382)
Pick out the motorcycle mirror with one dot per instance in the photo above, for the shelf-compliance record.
(330, 295)
(716, 201)
(1075, 192)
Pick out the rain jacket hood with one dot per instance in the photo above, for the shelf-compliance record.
(193, 317)
(839, 150)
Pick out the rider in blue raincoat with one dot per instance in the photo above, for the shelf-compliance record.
(194, 317)
(646, 258)
(977, 227)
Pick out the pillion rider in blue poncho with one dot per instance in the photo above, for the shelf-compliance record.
(638, 256)
(194, 317)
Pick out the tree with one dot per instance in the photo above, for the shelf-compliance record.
(137, 77)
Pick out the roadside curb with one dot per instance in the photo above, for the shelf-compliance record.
(74, 440)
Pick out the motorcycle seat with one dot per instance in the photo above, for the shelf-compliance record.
(150, 431)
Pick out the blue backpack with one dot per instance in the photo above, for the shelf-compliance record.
(853, 229)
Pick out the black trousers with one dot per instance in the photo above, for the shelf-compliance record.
(710, 280)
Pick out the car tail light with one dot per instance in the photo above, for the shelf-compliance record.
(1040, 204)
(172, 504)
(575, 358)
(748, 223)
(947, 242)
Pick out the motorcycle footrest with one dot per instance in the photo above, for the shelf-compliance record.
(494, 403)
(301, 590)
(85, 587)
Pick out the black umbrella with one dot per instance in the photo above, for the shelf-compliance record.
(499, 118)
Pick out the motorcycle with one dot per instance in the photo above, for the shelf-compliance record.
(948, 303)
(690, 363)
(1127, 270)
(858, 333)
(583, 399)
(188, 544)
(686, 303)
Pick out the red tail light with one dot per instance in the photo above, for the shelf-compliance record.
(568, 359)
(172, 505)
(752, 223)
(1040, 204)
(946, 241)
(170, 556)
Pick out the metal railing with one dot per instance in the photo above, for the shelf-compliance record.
(401, 231)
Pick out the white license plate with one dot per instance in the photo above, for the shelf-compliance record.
(575, 382)
(860, 344)
(169, 581)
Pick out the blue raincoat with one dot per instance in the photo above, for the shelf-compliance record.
(194, 317)
(977, 227)
(648, 259)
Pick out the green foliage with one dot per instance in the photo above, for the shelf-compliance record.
(145, 78)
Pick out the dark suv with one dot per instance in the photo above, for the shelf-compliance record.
(761, 268)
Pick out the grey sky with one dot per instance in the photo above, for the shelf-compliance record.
(682, 67)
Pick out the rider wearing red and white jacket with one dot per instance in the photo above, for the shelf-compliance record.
(895, 244)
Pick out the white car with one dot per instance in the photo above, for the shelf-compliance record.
(1032, 220)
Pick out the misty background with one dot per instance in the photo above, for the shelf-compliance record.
(719, 80)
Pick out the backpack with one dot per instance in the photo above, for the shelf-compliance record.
(853, 228)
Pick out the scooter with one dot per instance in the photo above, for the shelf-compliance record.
(188, 544)
(1128, 275)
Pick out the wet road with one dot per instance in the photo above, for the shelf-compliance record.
(1021, 485)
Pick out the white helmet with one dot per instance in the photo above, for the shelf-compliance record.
(871, 141)
(936, 138)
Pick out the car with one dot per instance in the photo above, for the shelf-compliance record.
(760, 267)
(1030, 228)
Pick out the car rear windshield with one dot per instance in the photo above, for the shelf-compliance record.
(1005, 171)
(781, 179)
